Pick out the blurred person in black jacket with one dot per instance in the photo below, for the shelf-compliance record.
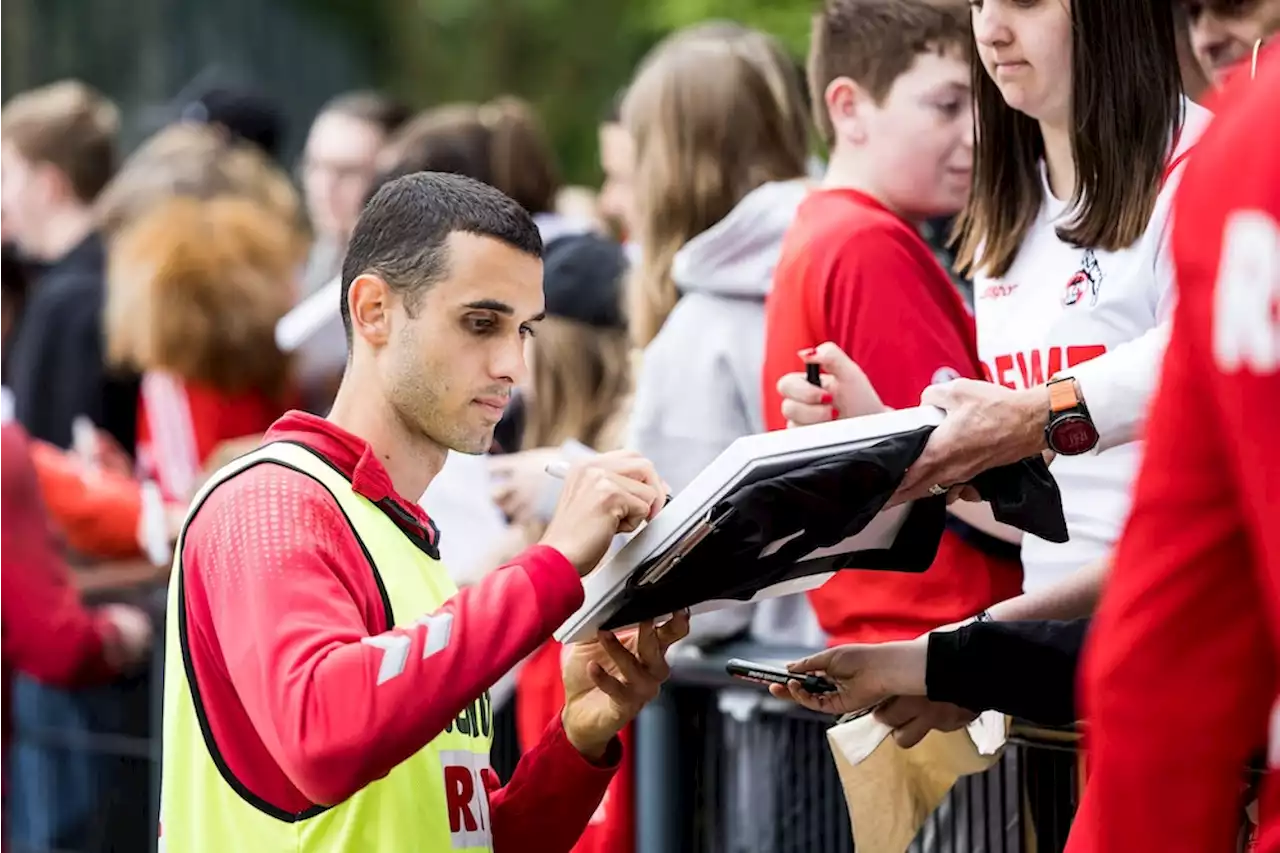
(58, 152)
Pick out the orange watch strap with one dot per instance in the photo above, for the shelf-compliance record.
(1063, 396)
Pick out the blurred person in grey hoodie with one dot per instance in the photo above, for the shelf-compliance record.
(720, 129)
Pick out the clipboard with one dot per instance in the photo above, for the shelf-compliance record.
(692, 553)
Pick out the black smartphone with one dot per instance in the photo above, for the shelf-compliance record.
(766, 674)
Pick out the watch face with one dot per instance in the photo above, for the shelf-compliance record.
(1073, 435)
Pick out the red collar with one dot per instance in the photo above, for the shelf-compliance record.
(354, 459)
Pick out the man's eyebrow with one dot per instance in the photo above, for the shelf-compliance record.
(501, 308)
(491, 305)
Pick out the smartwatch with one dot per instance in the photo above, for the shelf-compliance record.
(1070, 430)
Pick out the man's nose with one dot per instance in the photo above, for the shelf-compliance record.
(507, 363)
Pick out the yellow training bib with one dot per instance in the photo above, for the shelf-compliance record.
(434, 800)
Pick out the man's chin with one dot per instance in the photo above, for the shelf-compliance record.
(476, 444)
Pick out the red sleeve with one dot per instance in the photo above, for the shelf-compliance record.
(883, 308)
(98, 512)
(291, 605)
(48, 633)
(551, 796)
(1179, 673)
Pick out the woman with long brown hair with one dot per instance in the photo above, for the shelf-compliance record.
(720, 130)
(721, 143)
(1081, 132)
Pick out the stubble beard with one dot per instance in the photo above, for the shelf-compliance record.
(422, 414)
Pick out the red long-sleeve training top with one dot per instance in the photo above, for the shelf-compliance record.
(46, 632)
(1180, 675)
(279, 596)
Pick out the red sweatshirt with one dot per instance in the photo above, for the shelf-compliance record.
(853, 273)
(279, 596)
(47, 633)
(1180, 672)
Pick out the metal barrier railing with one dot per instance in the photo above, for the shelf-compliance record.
(723, 767)
(82, 767)
(720, 768)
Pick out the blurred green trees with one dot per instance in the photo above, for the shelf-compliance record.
(786, 19)
(569, 57)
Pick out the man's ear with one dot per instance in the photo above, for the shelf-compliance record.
(846, 107)
(369, 300)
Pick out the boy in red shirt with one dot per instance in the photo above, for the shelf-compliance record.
(1180, 677)
(892, 96)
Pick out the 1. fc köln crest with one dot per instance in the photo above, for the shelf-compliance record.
(1086, 280)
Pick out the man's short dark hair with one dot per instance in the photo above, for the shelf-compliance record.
(401, 233)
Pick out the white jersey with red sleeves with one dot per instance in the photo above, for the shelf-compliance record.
(1102, 317)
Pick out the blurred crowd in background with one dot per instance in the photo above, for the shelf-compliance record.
(172, 279)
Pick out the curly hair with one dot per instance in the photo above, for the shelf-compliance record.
(195, 288)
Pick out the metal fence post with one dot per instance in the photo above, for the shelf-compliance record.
(657, 777)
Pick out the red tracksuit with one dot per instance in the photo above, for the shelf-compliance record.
(278, 597)
(1180, 672)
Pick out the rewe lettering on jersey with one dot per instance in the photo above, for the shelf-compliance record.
(1029, 369)
(466, 798)
(1246, 321)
